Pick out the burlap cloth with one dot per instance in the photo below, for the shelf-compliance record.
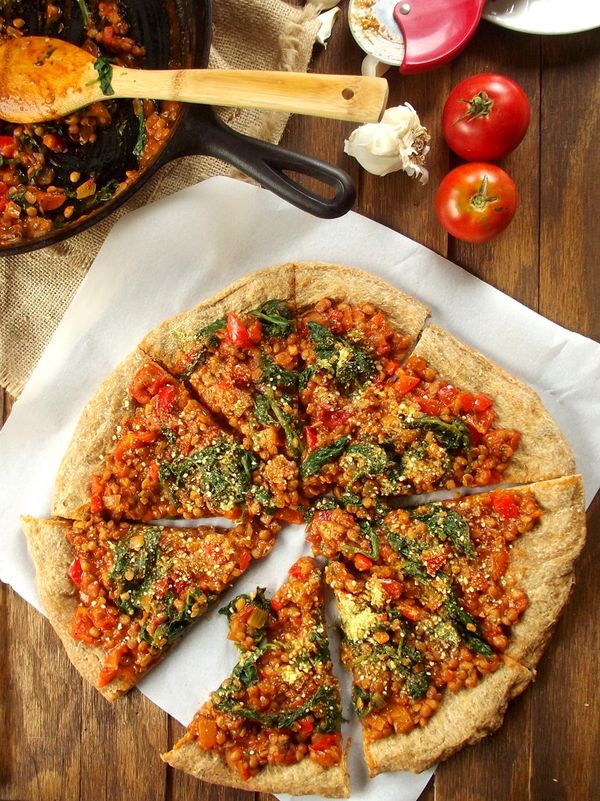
(36, 288)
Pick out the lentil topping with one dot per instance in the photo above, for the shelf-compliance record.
(281, 703)
(141, 586)
(55, 172)
(425, 597)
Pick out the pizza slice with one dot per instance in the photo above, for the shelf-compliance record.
(119, 595)
(445, 418)
(145, 449)
(239, 353)
(274, 724)
(446, 609)
(354, 331)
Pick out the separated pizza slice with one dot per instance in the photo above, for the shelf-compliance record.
(354, 331)
(274, 723)
(239, 353)
(446, 418)
(119, 595)
(446, 609)
(145, 449)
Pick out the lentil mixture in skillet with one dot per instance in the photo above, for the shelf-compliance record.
(51, 173)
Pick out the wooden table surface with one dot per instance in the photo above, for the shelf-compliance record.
(60, 739)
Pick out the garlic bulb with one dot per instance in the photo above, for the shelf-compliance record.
(398, 142)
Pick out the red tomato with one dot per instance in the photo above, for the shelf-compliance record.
(321, 742)
(289, 515)
(165, 399)
(147, 382)
(75, 572)
(404, 382)
(475, 202)
(244, 560)
(505, 505)
(237, 331)
(362, 562)
(485, 117)
(310, 433)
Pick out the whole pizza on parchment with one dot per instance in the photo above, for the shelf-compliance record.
(315, 393)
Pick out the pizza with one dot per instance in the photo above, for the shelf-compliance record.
(317, 393)
(274, 724)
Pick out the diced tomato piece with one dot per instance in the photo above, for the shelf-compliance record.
(290, 515)
(446, 393)
(310, 433)
(321, 742)
(392, 587)
(75, 572)
(207, 732)
(277, 604)
(7, 146)
(481, 403)
(50, 201)
(505, 505)
(390, 367)
(244, 560)
(153, 472)
(255, 331)
(96, 493)
(232, 514)
(81, 625)
(411, 611)
(480, 422)
(132, 440)
(362, 562)
(335, 319)
(405, 383)
(430, 406)
(147, 382)
(433, 562)
(302, 568)
(161, 587)
(332, 418)
(165, 399)
(306, 726)
(244, 770)
(464, 401)
(111, 665)
(237, 332)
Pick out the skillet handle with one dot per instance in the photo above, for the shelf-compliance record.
(266, 163)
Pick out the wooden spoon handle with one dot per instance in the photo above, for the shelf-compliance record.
(342, 97)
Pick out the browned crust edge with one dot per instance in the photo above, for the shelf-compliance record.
(303, 778)
(92, 438)
(543, 451)
(316, 280)
(173, 335)
(51, 554)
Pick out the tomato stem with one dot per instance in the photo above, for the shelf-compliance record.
(478, 106)
(480, 199)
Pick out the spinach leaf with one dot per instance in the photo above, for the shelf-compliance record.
(275, 317)
(466, 626)
(411, 550)
(446, 524)
(325, 697)
(178, 622)
(206, 334)
(322, 646)
(454, 436)
(274, 375)
(221, 472)
(364, 702)
(349, 365)
(142, 138)
(370, 459)
(169, 435)
(316, 460)
(104, 69)
(134, 569)
(417, 684)
(269, 411)
(368, 530)
(258, 599)
(84, 12)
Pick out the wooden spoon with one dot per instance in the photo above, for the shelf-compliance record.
(43, 79)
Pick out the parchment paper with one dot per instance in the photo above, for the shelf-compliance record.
(166, 257)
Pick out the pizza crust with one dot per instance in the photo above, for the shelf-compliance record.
(52, 554)
(463, 718)
(542, 562)
(303, 778)
(165, 343)
(543, 451)
(93, 438)
(316, 280)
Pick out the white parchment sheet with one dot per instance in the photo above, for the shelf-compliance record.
(167, 257)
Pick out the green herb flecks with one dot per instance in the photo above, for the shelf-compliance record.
(142, 137)
(275, 317)
(169, 435)
(196, 602)
(365, 702)
(466, 626)
(350, 366)
(446, 524)
(453, 436)
(315, 461)
(324, 703)
(270, 411)
(104, 69)
(274, 375)
(221, 472)
(321, 646)
(206, 336)
(135, 568)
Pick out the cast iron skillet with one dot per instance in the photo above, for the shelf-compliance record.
(175, 33)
